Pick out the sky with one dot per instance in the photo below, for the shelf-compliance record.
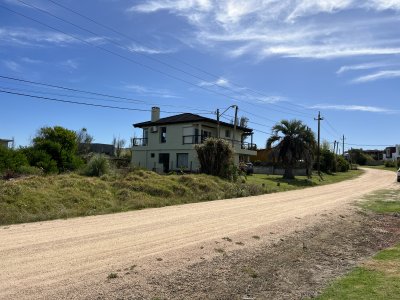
(274, 59)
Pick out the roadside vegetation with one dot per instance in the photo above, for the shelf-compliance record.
(57, 176)
(378, 278)
(275, 183)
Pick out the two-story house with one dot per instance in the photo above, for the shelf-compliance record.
(392, 153)
(6, 143)
(169, 143)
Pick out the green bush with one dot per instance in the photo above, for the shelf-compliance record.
(61, 145)
(11, 160)
(342, 164)
(97, 166)
(390, 164)
(41, 159)
(328, 163)
(215, 157)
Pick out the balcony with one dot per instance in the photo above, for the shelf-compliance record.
(139, 142)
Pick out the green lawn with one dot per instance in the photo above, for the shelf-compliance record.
(275, 183)
(378, 278)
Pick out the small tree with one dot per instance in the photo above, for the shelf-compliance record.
(119, 146)
(215, 157)
(295, 141)
(60, 144)
(83, 139)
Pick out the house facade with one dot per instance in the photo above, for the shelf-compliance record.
(169, 143)
(392, 153)
(6, 143)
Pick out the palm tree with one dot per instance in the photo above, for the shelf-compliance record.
(295, 141)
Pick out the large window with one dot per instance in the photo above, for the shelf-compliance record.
(145, 136)
(163, 134)
(227, 133)
(182, 160)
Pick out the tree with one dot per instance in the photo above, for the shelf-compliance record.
(83, 139)
(60, 145)
(295, 142)
(118, 145)
(243, 122)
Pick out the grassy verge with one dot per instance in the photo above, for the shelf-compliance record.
(275, 183)
(39, 198)
(378, 278)
(382, 167)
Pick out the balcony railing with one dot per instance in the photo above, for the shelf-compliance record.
(137, 142)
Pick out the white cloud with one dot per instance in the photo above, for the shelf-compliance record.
(222, 82)
(31, 60)
(288, 28)
(23, 36)
(12, 65)
(365, 66)
(71, 64)
(362, 108)
(150, 92)
(147, 50)
(386, 74)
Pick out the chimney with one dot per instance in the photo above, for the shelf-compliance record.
(155, 114)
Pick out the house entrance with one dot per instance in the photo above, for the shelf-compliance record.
(163, 158)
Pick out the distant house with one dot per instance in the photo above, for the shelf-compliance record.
(392, 153)
(106, 149)
(375, 154)
(169, 143)
(6, 143)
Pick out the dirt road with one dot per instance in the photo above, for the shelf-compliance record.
(71, 259)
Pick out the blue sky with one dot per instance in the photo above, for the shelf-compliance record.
(275, 59)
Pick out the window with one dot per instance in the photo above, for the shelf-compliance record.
(227, 133)
(163, 134)
(145, 136)
(182, 160)
(152, 155)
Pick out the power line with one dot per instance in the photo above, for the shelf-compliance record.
(142, 54)
(85, 91)
(150, 57)
(83, 103)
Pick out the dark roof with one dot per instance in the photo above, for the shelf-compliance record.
(5, 140)
(186, 118)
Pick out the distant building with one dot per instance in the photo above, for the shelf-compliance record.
(6, 143)
(375, 154)
(392, 153)
(106, 149)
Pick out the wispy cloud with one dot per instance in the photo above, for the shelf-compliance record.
(147, 50)
(386, 74)
(365, 66)
(150, 92)
(71, 64)
(362, 108)
(23, 36)
(222, 82)
(288, 28)
(12, 65)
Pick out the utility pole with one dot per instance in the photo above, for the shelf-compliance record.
(319, 119)
(217, 122)
(343, 145)
(234, 126)
(334, 147)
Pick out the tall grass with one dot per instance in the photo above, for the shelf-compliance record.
(69, 195)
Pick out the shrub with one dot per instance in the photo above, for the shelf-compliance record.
(215, 157)
(342, 164)
(390, 164)
(98, 165)
(11, 160)
(61, 145)
(328, 164)
(41, 159)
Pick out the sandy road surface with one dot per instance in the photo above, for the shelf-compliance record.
(71, 258)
